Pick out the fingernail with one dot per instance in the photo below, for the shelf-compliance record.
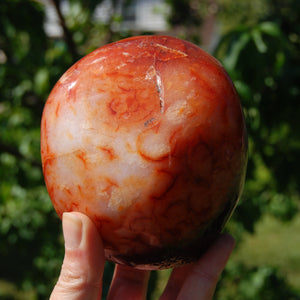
(72, 229)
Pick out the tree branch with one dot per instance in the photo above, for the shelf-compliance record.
(67, 34)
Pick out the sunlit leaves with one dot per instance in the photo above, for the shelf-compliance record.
(262, 63)
(244, 283)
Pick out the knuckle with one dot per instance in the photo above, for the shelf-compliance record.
(76, 278)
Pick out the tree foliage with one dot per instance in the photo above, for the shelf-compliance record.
(262, 55)
(262, 60)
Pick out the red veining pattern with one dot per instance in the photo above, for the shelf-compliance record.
(147, 137)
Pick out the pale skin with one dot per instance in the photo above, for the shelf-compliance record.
(82, 270)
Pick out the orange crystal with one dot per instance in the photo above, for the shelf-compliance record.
(146, 136)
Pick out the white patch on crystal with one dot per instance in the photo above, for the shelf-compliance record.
(71, 85)
(98, 60)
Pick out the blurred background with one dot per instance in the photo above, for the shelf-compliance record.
(257, 41)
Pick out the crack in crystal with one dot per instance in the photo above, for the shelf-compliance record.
(153, 74)
(171, 50)
(160, 91)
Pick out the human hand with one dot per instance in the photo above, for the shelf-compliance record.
(82, 270)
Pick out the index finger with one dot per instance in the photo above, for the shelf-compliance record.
(128, 284)
(198, 280)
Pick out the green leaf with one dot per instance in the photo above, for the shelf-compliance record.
(269, 28)
(41, 81)
(258, 40)
(237, 46)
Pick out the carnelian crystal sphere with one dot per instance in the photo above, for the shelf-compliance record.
(146, 136)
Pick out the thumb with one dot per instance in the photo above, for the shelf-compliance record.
(83, 265)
